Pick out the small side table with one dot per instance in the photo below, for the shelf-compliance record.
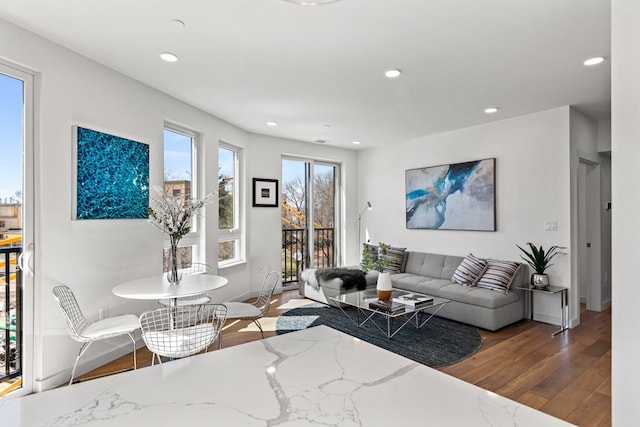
(564, 302)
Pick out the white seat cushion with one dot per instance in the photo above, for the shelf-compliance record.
(112, 325)
(181, 342)
(241, 310)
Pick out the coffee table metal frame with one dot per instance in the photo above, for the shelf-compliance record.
(361, 299)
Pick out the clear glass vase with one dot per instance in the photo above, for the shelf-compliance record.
(174, 275)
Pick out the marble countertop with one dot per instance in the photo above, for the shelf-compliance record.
(313, 377)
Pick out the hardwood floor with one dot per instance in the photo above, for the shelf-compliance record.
(567, 376)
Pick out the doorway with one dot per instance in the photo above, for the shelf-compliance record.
(590, 289)
(309, 216)
(16, 229)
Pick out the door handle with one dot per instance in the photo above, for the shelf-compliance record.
(25, 260)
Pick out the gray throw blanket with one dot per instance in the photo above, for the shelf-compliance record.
(351, 278)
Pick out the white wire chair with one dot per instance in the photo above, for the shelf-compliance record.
(176, 332)
(86, 331)
(254, 311)
(195, 268)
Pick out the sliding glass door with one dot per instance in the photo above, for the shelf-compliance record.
(309, 212)
(16, 230)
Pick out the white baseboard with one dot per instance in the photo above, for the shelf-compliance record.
(87, 363)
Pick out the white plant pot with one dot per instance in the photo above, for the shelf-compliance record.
(384, 285)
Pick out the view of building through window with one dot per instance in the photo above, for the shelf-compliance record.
(11, 173)
(179, 181)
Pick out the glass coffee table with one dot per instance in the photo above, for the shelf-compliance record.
(364, 302)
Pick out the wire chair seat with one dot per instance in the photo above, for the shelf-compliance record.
(86, 331)
(176, 332)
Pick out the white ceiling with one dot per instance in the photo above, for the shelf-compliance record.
(318, 70)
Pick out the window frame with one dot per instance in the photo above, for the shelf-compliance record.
(235, 234)
(194, 237)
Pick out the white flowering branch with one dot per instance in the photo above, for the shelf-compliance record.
(173, 216)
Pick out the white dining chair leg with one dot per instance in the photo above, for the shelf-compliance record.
(135, 359)
(153, 359)
(84, 348)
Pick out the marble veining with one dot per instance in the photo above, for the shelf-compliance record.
(314, 377)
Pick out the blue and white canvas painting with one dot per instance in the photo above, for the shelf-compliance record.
(458, 196)
(112, 176)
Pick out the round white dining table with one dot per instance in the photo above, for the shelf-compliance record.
(157, 287)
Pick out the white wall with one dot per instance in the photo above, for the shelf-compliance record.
(93, 256)
(265, 161)
(532, 186)
(625, 128)
(604, 136)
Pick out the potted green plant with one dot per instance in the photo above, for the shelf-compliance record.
(540, 261)
(375, 261)
(378, 261)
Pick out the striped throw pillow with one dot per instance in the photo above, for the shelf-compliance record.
(469, 271)
(395, 256)
(498, 275)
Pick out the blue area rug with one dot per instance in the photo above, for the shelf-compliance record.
(438, 343)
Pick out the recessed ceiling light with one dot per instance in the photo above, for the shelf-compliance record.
(356, 142)
(177, 23)
(311, 2)
(392, 74)
(594, 61)
(491, 110)
(321, 141)
(168, 56)
(271, 123)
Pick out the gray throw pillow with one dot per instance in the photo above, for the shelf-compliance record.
(396, 257)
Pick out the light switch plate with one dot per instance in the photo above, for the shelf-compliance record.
(551, 226)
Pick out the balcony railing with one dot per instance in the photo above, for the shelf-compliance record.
(295, 256)
(10, 314)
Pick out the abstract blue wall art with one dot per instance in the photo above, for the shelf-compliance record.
(112, 176)
(458, 196)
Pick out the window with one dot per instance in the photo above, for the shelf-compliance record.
(229, 230)
(180, 180)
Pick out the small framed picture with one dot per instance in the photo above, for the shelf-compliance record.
(265, 193)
